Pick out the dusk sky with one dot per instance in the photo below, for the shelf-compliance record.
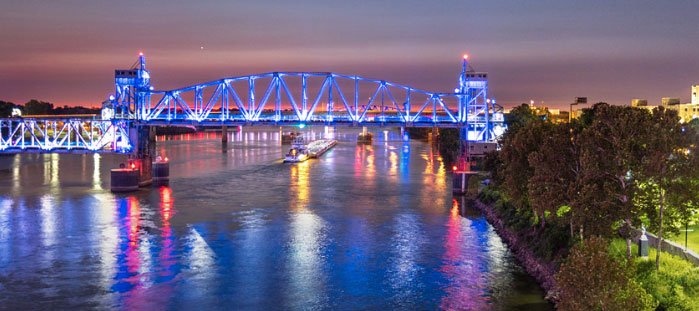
(65, 51)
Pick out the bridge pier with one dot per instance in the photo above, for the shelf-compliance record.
(143, 138)
(224, 138)
(462, 168)
(404, 135)
(139, 171)
(434, 136)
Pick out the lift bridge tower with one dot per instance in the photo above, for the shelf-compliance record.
(132, 96)
(483, 123)
(132, 90)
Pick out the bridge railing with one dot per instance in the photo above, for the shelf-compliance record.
(63, 135)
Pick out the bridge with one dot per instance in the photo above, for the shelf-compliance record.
(275, 98)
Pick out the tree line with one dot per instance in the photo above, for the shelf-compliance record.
(613, 169)
(37, 107)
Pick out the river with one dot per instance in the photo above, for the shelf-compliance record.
(363, 227)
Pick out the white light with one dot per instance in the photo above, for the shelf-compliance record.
(111, 97)
(107, 113)
(16, 112)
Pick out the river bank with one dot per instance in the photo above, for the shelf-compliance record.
(543, 271)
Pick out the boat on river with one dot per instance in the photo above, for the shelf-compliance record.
(300, 151)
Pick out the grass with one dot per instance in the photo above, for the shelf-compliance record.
(692, 238)
(675, 286)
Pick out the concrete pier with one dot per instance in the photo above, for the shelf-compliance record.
(139, 163)
(434, 136)
(224, 138)
(224, 134)
(461, 181)
(124, 179)
(143, 139)
(161, 171)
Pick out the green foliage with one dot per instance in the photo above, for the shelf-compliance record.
(563, 210)
(493, 165)
(592, 279)
(675, 286)
(449, 144)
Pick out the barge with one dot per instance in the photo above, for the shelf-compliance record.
(300, 152)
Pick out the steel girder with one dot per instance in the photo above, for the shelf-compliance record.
(29, 135)
(307, 97)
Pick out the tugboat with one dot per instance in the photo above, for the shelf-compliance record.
(298, 151)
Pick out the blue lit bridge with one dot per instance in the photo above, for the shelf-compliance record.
(275, 98)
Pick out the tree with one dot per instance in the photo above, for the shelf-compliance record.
(555, 181)
(35, 107)
(6, 109)
(614, 145)
(666, 165)
(592, 279)
(516, 170)
(519, 117)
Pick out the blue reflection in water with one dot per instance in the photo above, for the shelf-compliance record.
(364, 227)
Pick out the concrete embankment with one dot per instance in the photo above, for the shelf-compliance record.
(541, 270)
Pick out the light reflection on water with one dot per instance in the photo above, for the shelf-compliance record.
(364, 227)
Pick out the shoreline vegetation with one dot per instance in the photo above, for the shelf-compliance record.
(567, 199)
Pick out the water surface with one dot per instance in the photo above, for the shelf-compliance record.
(364, 227)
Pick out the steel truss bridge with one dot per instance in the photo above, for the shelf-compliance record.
(275, 98)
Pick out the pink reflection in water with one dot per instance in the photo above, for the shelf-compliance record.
(465, 290)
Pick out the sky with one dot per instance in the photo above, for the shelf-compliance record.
(66, 51)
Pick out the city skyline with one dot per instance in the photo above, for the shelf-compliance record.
(548, 52)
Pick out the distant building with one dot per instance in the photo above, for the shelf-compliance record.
(639, 102)
(686, 112)
(642, 104)
(669, 101)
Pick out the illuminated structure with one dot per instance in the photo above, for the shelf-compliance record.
(687, 111)
(132, 87)
(275, 98)
(64, 135)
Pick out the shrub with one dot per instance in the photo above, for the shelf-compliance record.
(675, 286)
(593, 279)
